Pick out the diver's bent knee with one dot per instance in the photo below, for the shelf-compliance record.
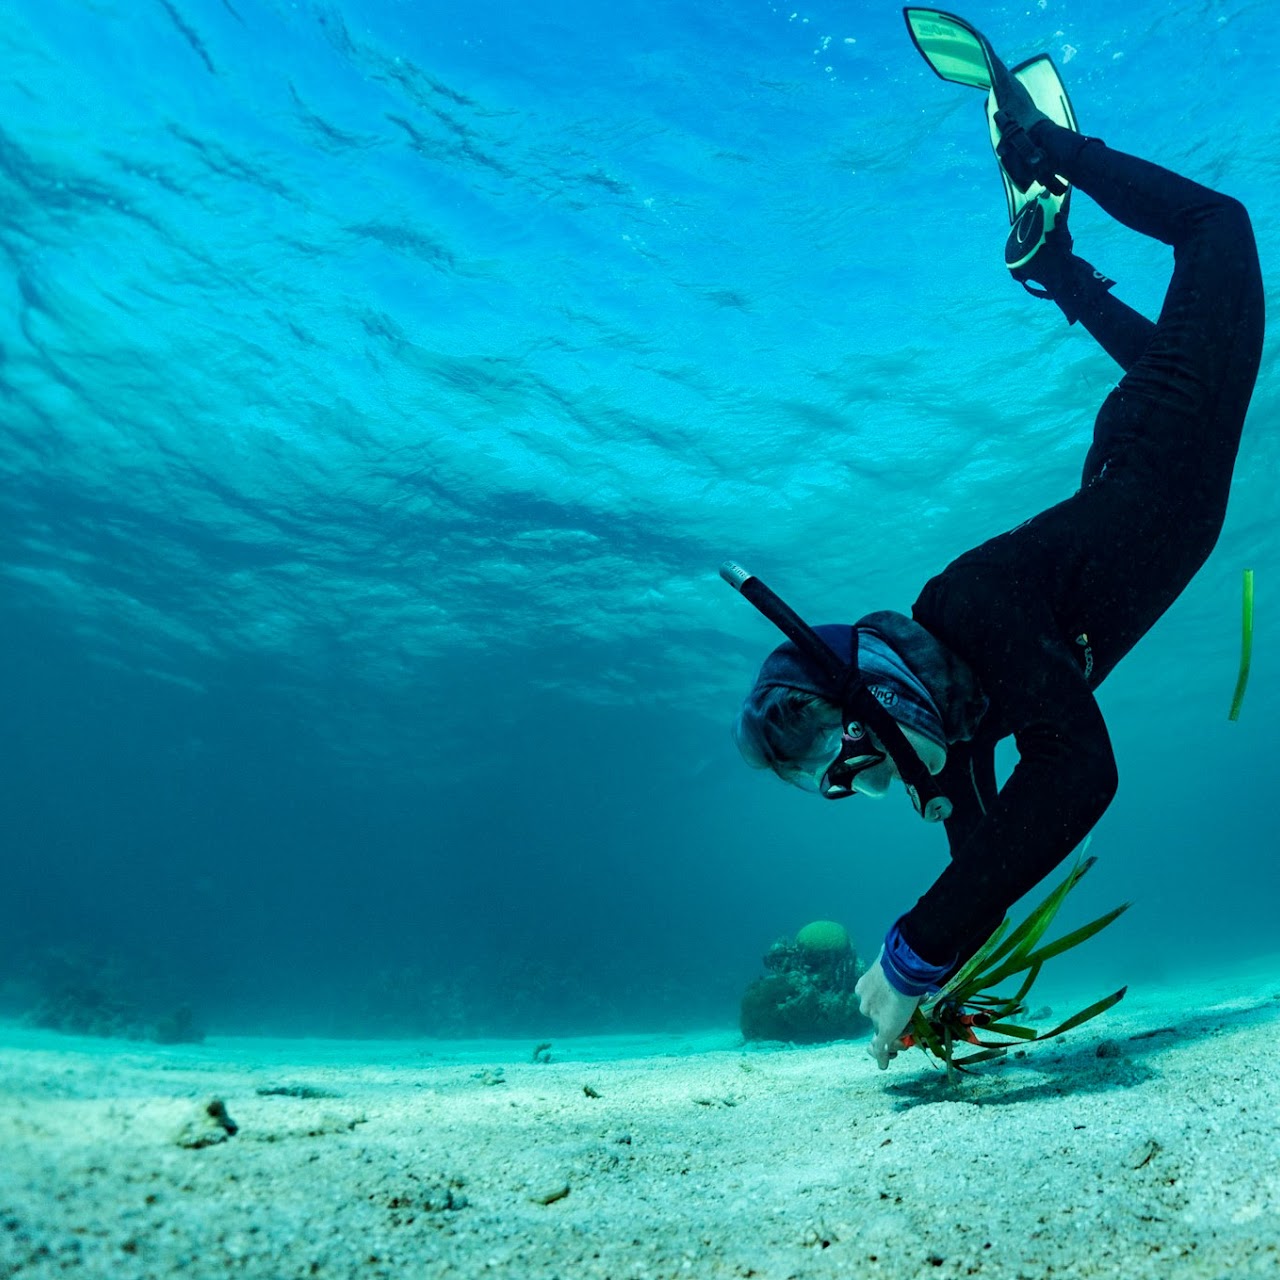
(1103, 779)
(1104, 782)
(1231, 220)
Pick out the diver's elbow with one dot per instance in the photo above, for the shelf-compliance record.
(1103, 781)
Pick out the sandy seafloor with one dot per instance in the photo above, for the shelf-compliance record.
(1158, 1156)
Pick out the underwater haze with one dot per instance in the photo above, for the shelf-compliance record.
(383, 383)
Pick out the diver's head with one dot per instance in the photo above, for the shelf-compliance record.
(786, 725)
(876, 691)
(791, 731)
(800, 737)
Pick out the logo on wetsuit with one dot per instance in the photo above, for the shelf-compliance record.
(1083, 641)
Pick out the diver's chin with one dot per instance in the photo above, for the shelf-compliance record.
(875, 783)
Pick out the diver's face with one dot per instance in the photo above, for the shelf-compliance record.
(873, 780)
(836, 759)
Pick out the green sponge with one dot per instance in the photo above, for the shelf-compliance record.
(824, 940)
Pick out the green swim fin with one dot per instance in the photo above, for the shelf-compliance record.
(1033, 214)
(956, 51)
(959, 53)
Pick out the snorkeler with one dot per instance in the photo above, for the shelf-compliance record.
(1014, 636)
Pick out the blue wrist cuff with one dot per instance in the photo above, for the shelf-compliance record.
(907, 973)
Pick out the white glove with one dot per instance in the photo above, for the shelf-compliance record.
(889, 1010)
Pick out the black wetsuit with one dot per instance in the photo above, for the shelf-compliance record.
(1043, 613)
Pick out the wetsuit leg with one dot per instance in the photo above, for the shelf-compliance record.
(1199, 367)
(1085, 296)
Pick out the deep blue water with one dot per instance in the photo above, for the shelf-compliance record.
(383, 384)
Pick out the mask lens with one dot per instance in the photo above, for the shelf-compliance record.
(808, 773)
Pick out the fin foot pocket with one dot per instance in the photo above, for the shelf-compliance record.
(1023, 161)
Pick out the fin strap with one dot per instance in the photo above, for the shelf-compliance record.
(1023, 161)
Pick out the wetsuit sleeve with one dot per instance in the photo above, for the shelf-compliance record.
(969, 782)
(1064, 779)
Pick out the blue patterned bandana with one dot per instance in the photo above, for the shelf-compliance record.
(893, 684)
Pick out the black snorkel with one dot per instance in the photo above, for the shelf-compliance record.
(849, 690)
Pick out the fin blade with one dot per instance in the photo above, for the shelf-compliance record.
(954, 50)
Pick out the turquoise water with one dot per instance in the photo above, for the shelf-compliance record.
(383, 384)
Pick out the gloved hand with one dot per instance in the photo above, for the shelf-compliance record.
(889, 1010)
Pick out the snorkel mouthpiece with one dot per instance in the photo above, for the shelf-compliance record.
(849, 691)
